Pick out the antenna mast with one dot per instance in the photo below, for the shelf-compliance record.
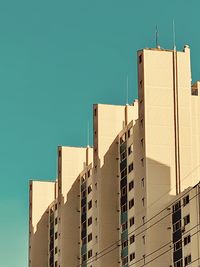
(88, 134)
(174, 35)
(127, 90)
(157, 37)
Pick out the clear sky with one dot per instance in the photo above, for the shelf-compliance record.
(57, 58)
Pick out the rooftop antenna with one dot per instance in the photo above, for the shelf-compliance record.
(88, 134)
(174, 35)
(157, 45)
(127, 90)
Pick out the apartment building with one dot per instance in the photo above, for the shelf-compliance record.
(115, 204)
(184, 226)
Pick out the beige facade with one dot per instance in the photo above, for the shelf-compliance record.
(113, 205)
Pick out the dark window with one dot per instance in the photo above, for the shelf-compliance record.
(132, 239)
(130, 132)
(89, 237)
(124, 191)
(56, 235)
(125, 260)
(178, 245)
(123, 138)
(186, 200)
(89, 253)
(130, 149)
(176, 206)
(130, 167)
(132, 256)
(186, 219)
(90, 204)
(124, 226)
(125, 244)
(131, 221)
(89, 221)
(131, 185)
(178, 263)
(140, 59)
(188, 260)
(131, 203)
(124, 208)
(123, 173)
(187, 240)
(177, 226)
(142, 182)
(89, 189)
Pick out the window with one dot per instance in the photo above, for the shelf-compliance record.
(186, 219)
(124, 208)
(124, 191)
(124, 226)
(83, 178)
(83, 194)
(123, 156)
(140, 59)
(143, 238)
(178, 245)
(142, 162)
(56, 206)
(125, 260)
(130, 132)
(131, 185)
(178, 263)
(186, 200)
(56, 250)
(89, 221)
(141, 82)
(141, 122)
(130, 167)
(142, 182)
(123, 173)
(142, 142)
(89, 173)
(131, 221)
(143, 219)
(132, 256)
(90, 204)
(132, 239)
(84, 240)
(89, 237)
(84, 257)
(83, 209)
(83, 225)
(187, 240)
(56, 235)
(56, 220)
(188, 260)
(131, 203)
(89, 188)
(125, 244)
(90, 253)
(176, 206)
(123, 138)
(194, 91)
(130, 149)
(56, 264)
(143, 201)
(177, 226)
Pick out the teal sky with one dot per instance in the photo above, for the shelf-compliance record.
(57, 58)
